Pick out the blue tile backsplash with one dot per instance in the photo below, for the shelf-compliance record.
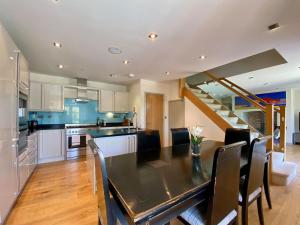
(83, 113)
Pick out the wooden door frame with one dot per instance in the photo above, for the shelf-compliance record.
(164, 108)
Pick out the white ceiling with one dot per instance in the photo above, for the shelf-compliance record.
(223, 30)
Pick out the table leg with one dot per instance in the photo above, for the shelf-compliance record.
(266, 185)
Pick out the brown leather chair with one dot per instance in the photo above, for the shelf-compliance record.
(180, 136)
(109, 212)
(252, 184)
(148, 140)
(222, 206)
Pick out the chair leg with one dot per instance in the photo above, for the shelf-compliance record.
(245, 214)
(260, 210)
(266, 185)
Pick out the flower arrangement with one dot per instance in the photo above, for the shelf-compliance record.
(196, 137)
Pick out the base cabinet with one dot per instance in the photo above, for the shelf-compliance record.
(116, 145)
(51, 146)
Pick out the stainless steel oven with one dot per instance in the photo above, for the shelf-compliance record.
(23, 123)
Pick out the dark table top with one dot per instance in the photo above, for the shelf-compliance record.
(155, 180)
(111, 132)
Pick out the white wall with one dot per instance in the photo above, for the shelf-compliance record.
(193, 116)
(70, 81)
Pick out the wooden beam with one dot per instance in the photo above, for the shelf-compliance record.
(282, 143)
(210, 113)
(181, 87)
(270, 126)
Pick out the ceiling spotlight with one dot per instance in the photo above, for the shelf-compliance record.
(131, 75)
(55, 1)
(126, 62)
(113, 75)
(202, 57)
(60, 66)
(152, 36)
(205, 82)
(250, 78)
(168, 73)
(11, 58)
(114, 50)
(57, 44)
(273, 26)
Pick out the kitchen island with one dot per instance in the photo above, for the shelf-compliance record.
(111, 142)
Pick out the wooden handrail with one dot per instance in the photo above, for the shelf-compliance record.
(249, 93)
(235, 91)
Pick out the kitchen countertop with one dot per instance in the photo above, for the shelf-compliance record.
(111, 132)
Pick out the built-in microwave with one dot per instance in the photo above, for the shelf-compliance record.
(23, 123)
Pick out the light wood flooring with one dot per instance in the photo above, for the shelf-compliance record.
(60, 194)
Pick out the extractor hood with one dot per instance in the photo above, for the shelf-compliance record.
(82, 90)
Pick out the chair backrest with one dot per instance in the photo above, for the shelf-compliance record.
(225, 181)
(233, 135)
(104, 206)
(256, 163)
(148, 140)
(180, 136)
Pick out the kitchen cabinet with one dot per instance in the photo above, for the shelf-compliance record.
(46, 97)
(32, 152)
(70, 92)
(51, 145)
(92, 95)
(121, 101)
(53, 97)
(35, 96)
(117, 145)
(23, 169)
(24, 74)
(8, 123)
(106, 101)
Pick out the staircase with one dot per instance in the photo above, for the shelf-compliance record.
(283, 172)
(223, 112)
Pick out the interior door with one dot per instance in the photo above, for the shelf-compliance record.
(155, 114)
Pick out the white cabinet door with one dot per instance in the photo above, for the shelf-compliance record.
(23, 169)
(35, 96)
(132, 143)
(106, 103)
(111, 146)
(24, 74)
(121, 101)
(70, 92)
(51, 145)
(32, 151)
(92, 94)
(52, 97)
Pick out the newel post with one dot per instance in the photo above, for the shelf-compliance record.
(181, 87)
(270, 126)
(282, 143)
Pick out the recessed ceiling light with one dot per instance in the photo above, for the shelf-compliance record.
(168, 73)
(55, 1)
(113, 75)
(60, 66)
(114, 50)
(205, 82)
(152, 36)
(266, 83)
(202, 57)
(131, 75)
(57, 44)
(126, 62)
(11, 58)
(250, 78)
(273, 26)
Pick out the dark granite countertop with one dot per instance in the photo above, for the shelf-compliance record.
(111, 132)
(50, 126)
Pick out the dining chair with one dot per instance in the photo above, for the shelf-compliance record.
(180, 136)
(148, 140)
(109, 212)
(222, 204)
(233, 135)
(251, 185)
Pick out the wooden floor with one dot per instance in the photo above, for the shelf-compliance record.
(60, 194)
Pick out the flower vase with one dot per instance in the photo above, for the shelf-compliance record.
(196, 149)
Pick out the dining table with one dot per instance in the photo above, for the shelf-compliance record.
(156, 186)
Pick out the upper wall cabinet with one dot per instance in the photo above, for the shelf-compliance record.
(106, 101)
(24, 74)
(110, 101)
(53, 97)
(46, 97)
(121, 101)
